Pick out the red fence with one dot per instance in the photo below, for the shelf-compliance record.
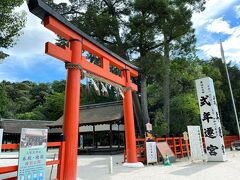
(59, 161)
(177, 144)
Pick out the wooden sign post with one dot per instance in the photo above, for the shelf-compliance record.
(185, 138)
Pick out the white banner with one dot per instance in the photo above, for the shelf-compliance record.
(212, 129)
(151, 149)
(195, 140)
(1, 139)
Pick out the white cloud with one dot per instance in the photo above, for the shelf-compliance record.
(237, 11)
(29, 51)
(231, 47)
(31, 44)
(61, 1)
(213, 9)
(219, 26)
(34, 37)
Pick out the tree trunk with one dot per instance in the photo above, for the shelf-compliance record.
(144, 102)
(166, 87)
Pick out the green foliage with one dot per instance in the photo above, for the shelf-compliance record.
(4, 100)
(53, 108)
(160, 126)
(183, 95)
(184, 112)
(156, 35)
(35, 115)
(138, 30)
(10, 23)
(43, 101)
(59, 86)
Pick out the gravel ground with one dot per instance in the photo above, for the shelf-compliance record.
(95, 167)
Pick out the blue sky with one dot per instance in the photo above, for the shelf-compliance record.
(27, 61)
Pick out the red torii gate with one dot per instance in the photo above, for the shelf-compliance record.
(75, 62)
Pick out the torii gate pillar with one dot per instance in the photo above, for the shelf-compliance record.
(71, 115)
(130, 136)
(75, 62)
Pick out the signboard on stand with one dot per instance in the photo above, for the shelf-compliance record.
(32, 154)
(164, 150)
(149, 127)
(151, 151)
(196, 146)
(1, 139)
(210, 119)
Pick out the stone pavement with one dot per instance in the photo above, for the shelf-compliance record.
(96, 167)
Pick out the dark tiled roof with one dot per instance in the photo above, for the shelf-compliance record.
(97, 114)
(14, 126)
(89, 114)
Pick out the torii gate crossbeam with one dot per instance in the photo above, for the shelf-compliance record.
(75, 63)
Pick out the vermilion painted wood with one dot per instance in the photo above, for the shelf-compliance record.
(130, 137)
(8, 169)
(48, 163)
(61, 157)
(74, 55)
(63, 54)
(181, 151)
(59, 162)
(100, 53)
(53, 144)
(57, 27)
(71, 119)
(10, 146)
(60, 29)
(99, 71)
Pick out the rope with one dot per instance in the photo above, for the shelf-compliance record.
(75, 66)
(90, 75)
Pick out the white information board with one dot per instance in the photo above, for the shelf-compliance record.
(32, 154)
(151, 151)
(149, 127)
(196, 145)
(1, 139)
(210, 119)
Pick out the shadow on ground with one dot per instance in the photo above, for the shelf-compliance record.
(193, 168)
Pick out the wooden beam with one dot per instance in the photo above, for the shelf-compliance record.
(63, 31)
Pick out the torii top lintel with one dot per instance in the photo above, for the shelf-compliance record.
(58, 24)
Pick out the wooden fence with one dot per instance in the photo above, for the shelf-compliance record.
(59, 161)
(177, 144)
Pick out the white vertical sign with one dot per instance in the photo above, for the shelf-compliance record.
(212, 129)
(151, 149)
(195, 140)
(1, 139)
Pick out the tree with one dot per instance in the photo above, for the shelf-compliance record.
(184, 112)
(10, 24)
(59, 86)
(215, 69)
(137, 29)
(4, 101)
(142, 39)
(53, 108)
(183, 105)
(178, 39)
(40, 93)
